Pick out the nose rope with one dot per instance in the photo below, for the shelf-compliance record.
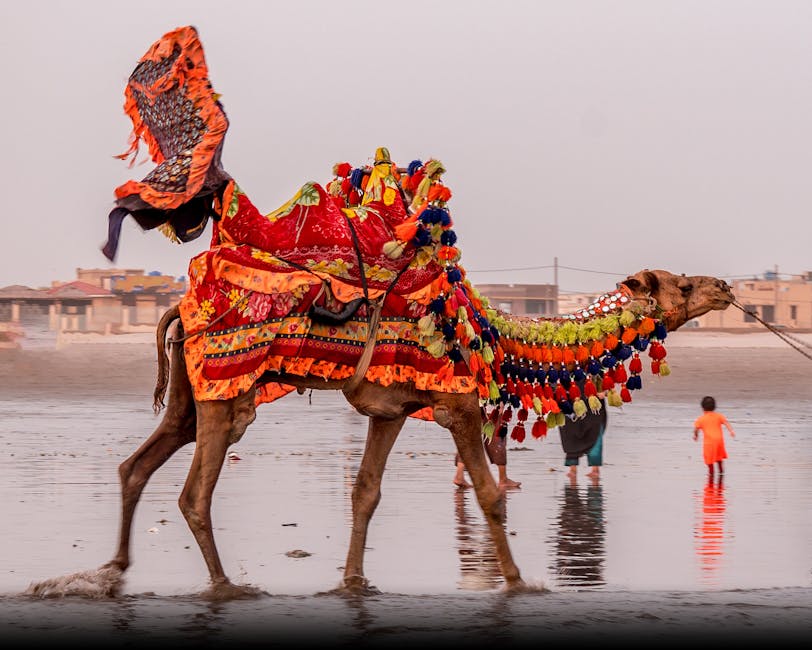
(787, 338)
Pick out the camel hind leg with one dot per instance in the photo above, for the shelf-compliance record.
(460, 414)
(220, 423)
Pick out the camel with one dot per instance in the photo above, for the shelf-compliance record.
(214, 425)
(331, 258)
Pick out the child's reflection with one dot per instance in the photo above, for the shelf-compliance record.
(479, 568)
(580, 553)
(709, 533)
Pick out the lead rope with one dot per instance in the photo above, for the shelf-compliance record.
(787, 338)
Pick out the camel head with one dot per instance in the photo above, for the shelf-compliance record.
(680, 297)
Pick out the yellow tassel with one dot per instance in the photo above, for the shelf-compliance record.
(579, 408)
(665, 369)
(469, 330)
(537, 404)
(462, 315)
(551, 420)
(493, 390)
(595, 404)
(426, 325)
(394, 249)
(560, 419)
(437, 348)
(487, 354)
(487, 430)
(627, 318)
(613, 399)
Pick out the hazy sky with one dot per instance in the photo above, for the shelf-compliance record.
(614, 136)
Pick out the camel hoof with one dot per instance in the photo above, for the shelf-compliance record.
(226, 590)
(104, 582)
(356, 586)
(521, 587)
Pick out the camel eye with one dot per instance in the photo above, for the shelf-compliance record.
(686, 289)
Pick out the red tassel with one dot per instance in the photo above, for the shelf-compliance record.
(608, 383)
(521, 415)
(655, 367)
(518, 432)
(560, 393)
(507, 414)
(636, 365)
(575, 393)
(656, 351)
(619, 374)
(625, 395)
(539, 429)
(589, 388)
(548, 391)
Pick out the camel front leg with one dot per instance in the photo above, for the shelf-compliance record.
(366, 494)
(219, 423)
(461, 415)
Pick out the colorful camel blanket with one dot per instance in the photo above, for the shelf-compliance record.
(248, 307)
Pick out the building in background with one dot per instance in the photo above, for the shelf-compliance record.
(522, 299)
(105, 301)
(779, 302)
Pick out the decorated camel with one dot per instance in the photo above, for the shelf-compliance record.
(354, 286)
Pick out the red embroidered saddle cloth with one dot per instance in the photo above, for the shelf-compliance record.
(250, 293)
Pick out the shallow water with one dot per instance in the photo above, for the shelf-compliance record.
(650, 535)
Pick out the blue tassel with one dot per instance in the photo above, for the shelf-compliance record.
(564, 378)
(449, 332)
(356, 176)
(437, 306)
(594, 366)
(579, 375)
(432, 216)
(515, 402)
(495, 333)
(566, 406)
(445, 218)
(455, 355)
(641, 343)
(623, 352)
(540, 375)
(660, 332)
(454, 275)
(523, 373)
(413, 167)
(634, 382)
(503, 395)
(608, 361)
(448, 238)
(552, 375)
(475, 343)
(486, 336)
(422, 237)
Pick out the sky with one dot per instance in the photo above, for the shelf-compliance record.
(604, 136)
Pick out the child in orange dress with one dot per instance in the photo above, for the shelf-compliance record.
(713, 442)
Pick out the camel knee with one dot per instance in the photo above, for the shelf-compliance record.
(366, 493)
(493, 505)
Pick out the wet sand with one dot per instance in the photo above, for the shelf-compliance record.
(649, 552)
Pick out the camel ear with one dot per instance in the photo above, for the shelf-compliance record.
(652, 281)
(633, 284)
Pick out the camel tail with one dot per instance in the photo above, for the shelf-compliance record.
(161, 383)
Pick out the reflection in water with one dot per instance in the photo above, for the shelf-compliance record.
(709, 532)
(479, 568)
(580, 553)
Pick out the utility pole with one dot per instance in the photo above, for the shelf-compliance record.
(555, 282)
(775, 308)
